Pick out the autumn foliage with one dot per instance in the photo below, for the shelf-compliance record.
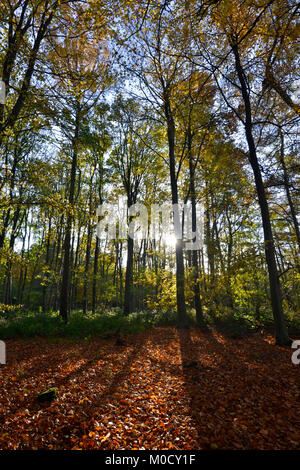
(164, 389)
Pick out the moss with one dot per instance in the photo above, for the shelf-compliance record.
(47, 395)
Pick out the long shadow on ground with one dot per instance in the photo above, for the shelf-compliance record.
(231, 402)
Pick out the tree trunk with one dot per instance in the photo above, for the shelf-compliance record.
(281, 332)
(45, 287)
(287, 190)
(64, 293)
(195, 267)
(95, 272)
(86, 269)
(180, 294)
(128, 277)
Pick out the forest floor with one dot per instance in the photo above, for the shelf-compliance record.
(164, 389)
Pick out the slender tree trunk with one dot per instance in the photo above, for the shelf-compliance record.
(282, 337)
(65, 283)
(195, 267)
(6, 217)
(209, 239)
(287, 190)
(95, 272)
(74, 283)
(4, 227)
(22, 270)
(86, 268)
(229, 260)
(8, 285)
(128, 277)
(180, 294)
(120, 277)
(45, 287)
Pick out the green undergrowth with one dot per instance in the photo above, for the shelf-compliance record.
(24, 324)
(30, 324)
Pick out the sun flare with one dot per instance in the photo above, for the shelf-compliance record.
(170, 240)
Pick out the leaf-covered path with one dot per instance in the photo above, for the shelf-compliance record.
(165, 389)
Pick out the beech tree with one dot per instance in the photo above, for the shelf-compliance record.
(240, 29)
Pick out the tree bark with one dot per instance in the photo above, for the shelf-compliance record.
(287, 189)
(180, 294)
(195, 267)
(282, 337)
(65, 283)
(128, 277)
